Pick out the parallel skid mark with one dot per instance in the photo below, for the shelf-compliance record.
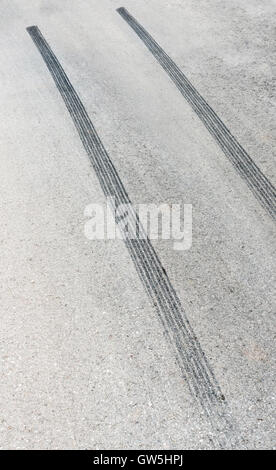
(190, 357)
(262, 188)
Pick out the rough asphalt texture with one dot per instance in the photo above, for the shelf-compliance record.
(84, 359)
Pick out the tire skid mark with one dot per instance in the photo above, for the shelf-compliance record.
(188, 352)
(262, 188)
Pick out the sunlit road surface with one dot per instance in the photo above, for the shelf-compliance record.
(108, 344)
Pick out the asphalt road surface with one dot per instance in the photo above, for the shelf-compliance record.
(131, 344)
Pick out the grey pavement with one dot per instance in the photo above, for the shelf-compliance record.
(84, 359)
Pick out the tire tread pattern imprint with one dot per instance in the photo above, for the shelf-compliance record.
(261, 187)
(189, 355)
